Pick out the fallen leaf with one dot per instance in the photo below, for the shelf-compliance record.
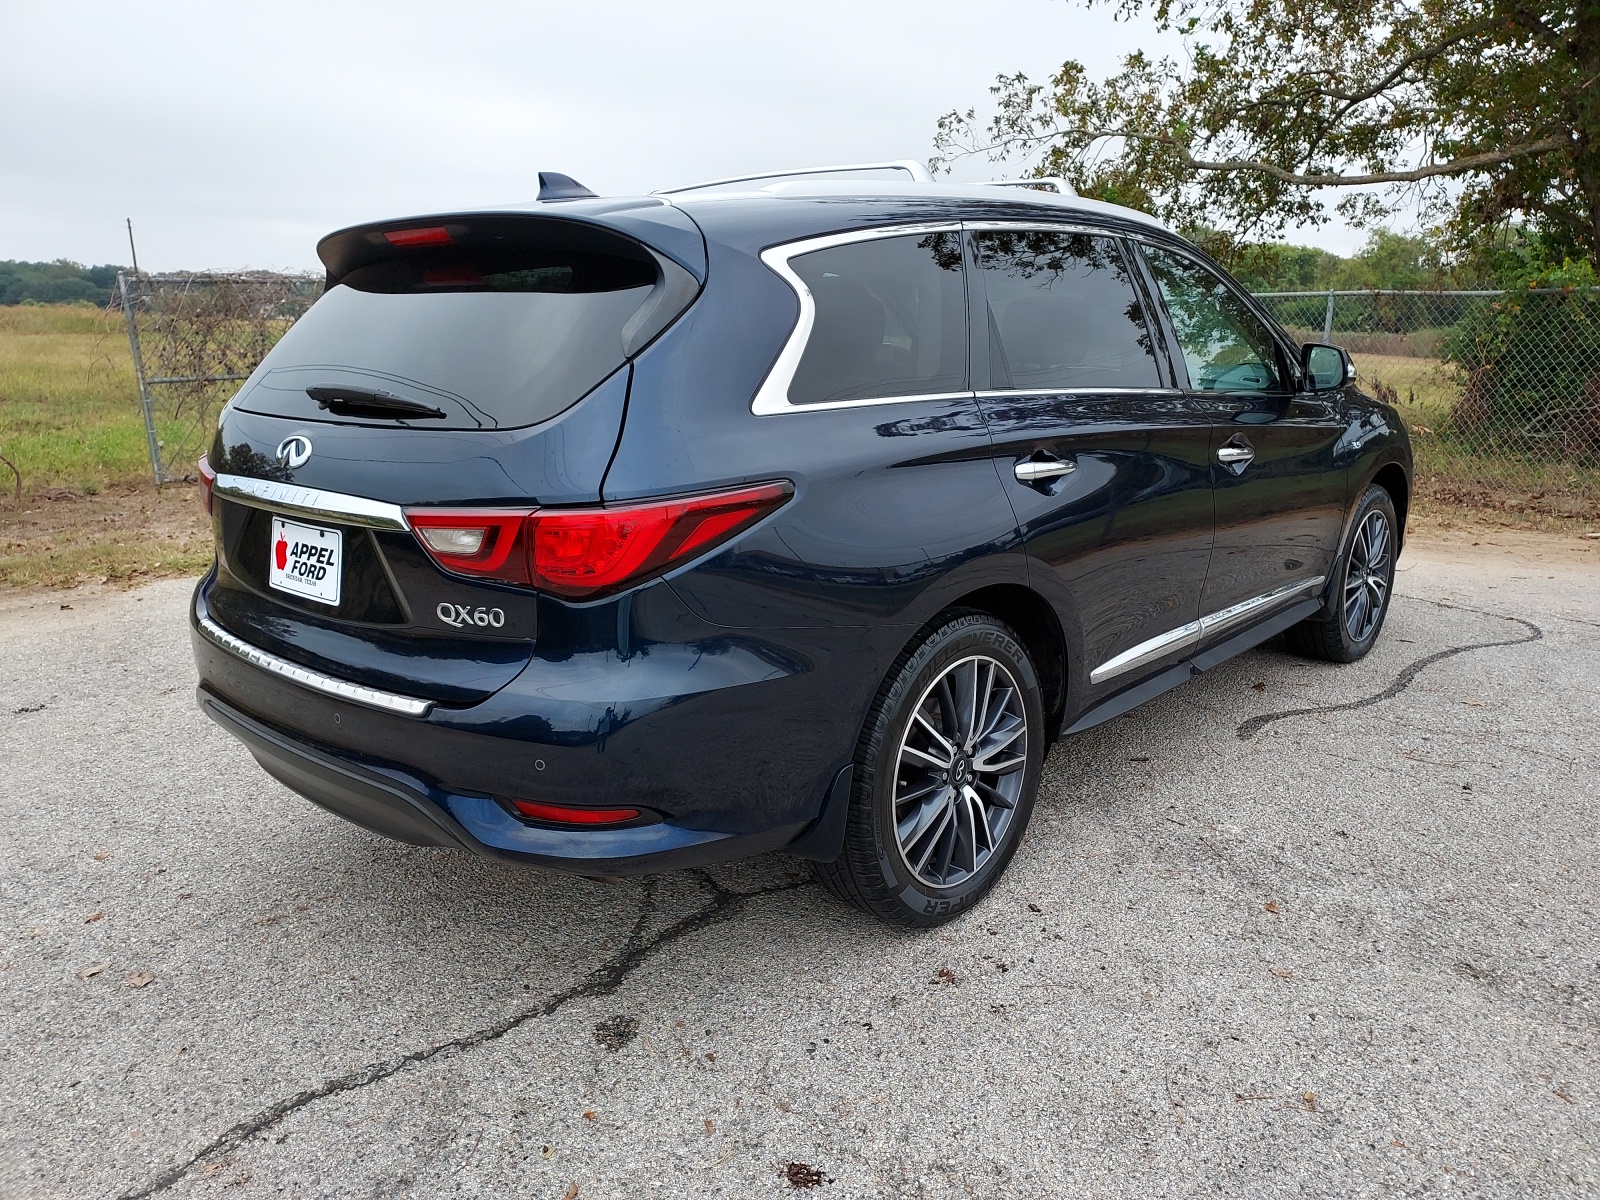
(1282, 972)
(1259, 685)
(1311, 1101)
(803, 1175)
(102, 855)
(1243, 1098)
(943, 975)
(711, 1126)
(711, 1056)
(589, 1115)
(572, 1193)
(1035, 908)
(1563, 1095)
(91, 971)
(1477, 703)
(92, 918)
(1272, 906)
(140, 979)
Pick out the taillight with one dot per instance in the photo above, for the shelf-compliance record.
(432, 235)
(586, 553)
(561, 814)
(488, 543)
(208, 479)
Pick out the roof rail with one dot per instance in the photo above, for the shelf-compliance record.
(1053, 183)
(911, 167)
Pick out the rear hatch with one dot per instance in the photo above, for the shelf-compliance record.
(472, 361)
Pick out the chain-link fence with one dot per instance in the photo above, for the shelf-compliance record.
(1501, 390)
(195, 337)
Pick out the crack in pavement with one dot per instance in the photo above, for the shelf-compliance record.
(601, 981)
(1248, 729)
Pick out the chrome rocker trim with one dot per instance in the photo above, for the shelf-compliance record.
(317, 682)
(1195, 631)
(296, 501)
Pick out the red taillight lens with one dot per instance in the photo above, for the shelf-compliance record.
(432, 235)
(561, 814)
(586, 553)
(583, 553)
(490, 543)
(208, 479)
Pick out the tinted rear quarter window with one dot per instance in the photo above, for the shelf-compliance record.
(890, 320)
(1064, 313)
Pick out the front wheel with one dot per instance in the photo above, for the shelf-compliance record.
(947, 769)
(1349, 626)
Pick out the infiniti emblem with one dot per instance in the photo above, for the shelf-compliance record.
(293, 451)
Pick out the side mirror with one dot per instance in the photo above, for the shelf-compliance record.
(1326, 368)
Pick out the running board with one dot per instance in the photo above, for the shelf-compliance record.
(1172, 677)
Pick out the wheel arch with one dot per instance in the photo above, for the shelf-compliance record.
(1392, 478)
(1036, 623)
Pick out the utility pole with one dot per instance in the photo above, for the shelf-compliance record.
(131, 248)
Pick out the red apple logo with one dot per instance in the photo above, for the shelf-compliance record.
(282, 552)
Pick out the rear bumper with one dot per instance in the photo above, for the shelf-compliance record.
(396, 803)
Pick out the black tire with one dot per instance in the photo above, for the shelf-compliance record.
(1344, 630)
(875, 872)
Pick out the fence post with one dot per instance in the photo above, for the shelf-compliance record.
(138, 370)
(1327, 320)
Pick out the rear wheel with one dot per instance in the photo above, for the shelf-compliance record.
(1349, 626)
(946, 773)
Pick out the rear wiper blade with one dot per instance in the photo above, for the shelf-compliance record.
(369, 402)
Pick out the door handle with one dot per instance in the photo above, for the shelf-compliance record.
(1235, 455)
(1036, 470)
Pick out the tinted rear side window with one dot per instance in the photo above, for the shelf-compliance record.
(890, 320)
(1064, 313)
(491, 336)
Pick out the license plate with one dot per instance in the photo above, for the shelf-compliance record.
(306, 560)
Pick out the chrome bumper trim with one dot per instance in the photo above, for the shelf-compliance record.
(295, 501)
(1195, 631)
(317, 682)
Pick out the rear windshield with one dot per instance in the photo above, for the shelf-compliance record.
(488, 337)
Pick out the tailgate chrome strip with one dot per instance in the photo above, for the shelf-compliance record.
(296, 501)
(316, 681)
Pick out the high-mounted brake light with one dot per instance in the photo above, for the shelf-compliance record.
(208, 480)
(431, 235)
(563, 815)
(586, 553)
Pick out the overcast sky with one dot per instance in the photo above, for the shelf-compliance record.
(237, 134)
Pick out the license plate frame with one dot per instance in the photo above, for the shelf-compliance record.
(306, 561)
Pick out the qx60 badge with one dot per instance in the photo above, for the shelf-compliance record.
(293, 451)
(460, 616)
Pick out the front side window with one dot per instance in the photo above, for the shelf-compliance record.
(1063, 313)
(1226, 347)
(890, 320)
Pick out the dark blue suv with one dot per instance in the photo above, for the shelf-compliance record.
(622, 535)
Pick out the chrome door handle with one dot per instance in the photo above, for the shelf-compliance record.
(1032, 470)
(1232, 455)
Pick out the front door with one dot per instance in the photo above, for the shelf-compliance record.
(1280, 498)
(1106, 463)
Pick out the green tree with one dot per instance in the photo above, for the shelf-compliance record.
(1477, 112)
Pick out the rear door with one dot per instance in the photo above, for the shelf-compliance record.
(1105, 461)
(1280, 498)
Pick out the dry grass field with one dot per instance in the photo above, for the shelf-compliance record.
(70, 425)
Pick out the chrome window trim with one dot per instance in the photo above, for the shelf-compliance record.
(294, 501)
(370, 697)
(1195, 631)
(772, 398)
(1002, 393)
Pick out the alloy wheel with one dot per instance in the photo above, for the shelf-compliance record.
(960, 771)
(1367, 577)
